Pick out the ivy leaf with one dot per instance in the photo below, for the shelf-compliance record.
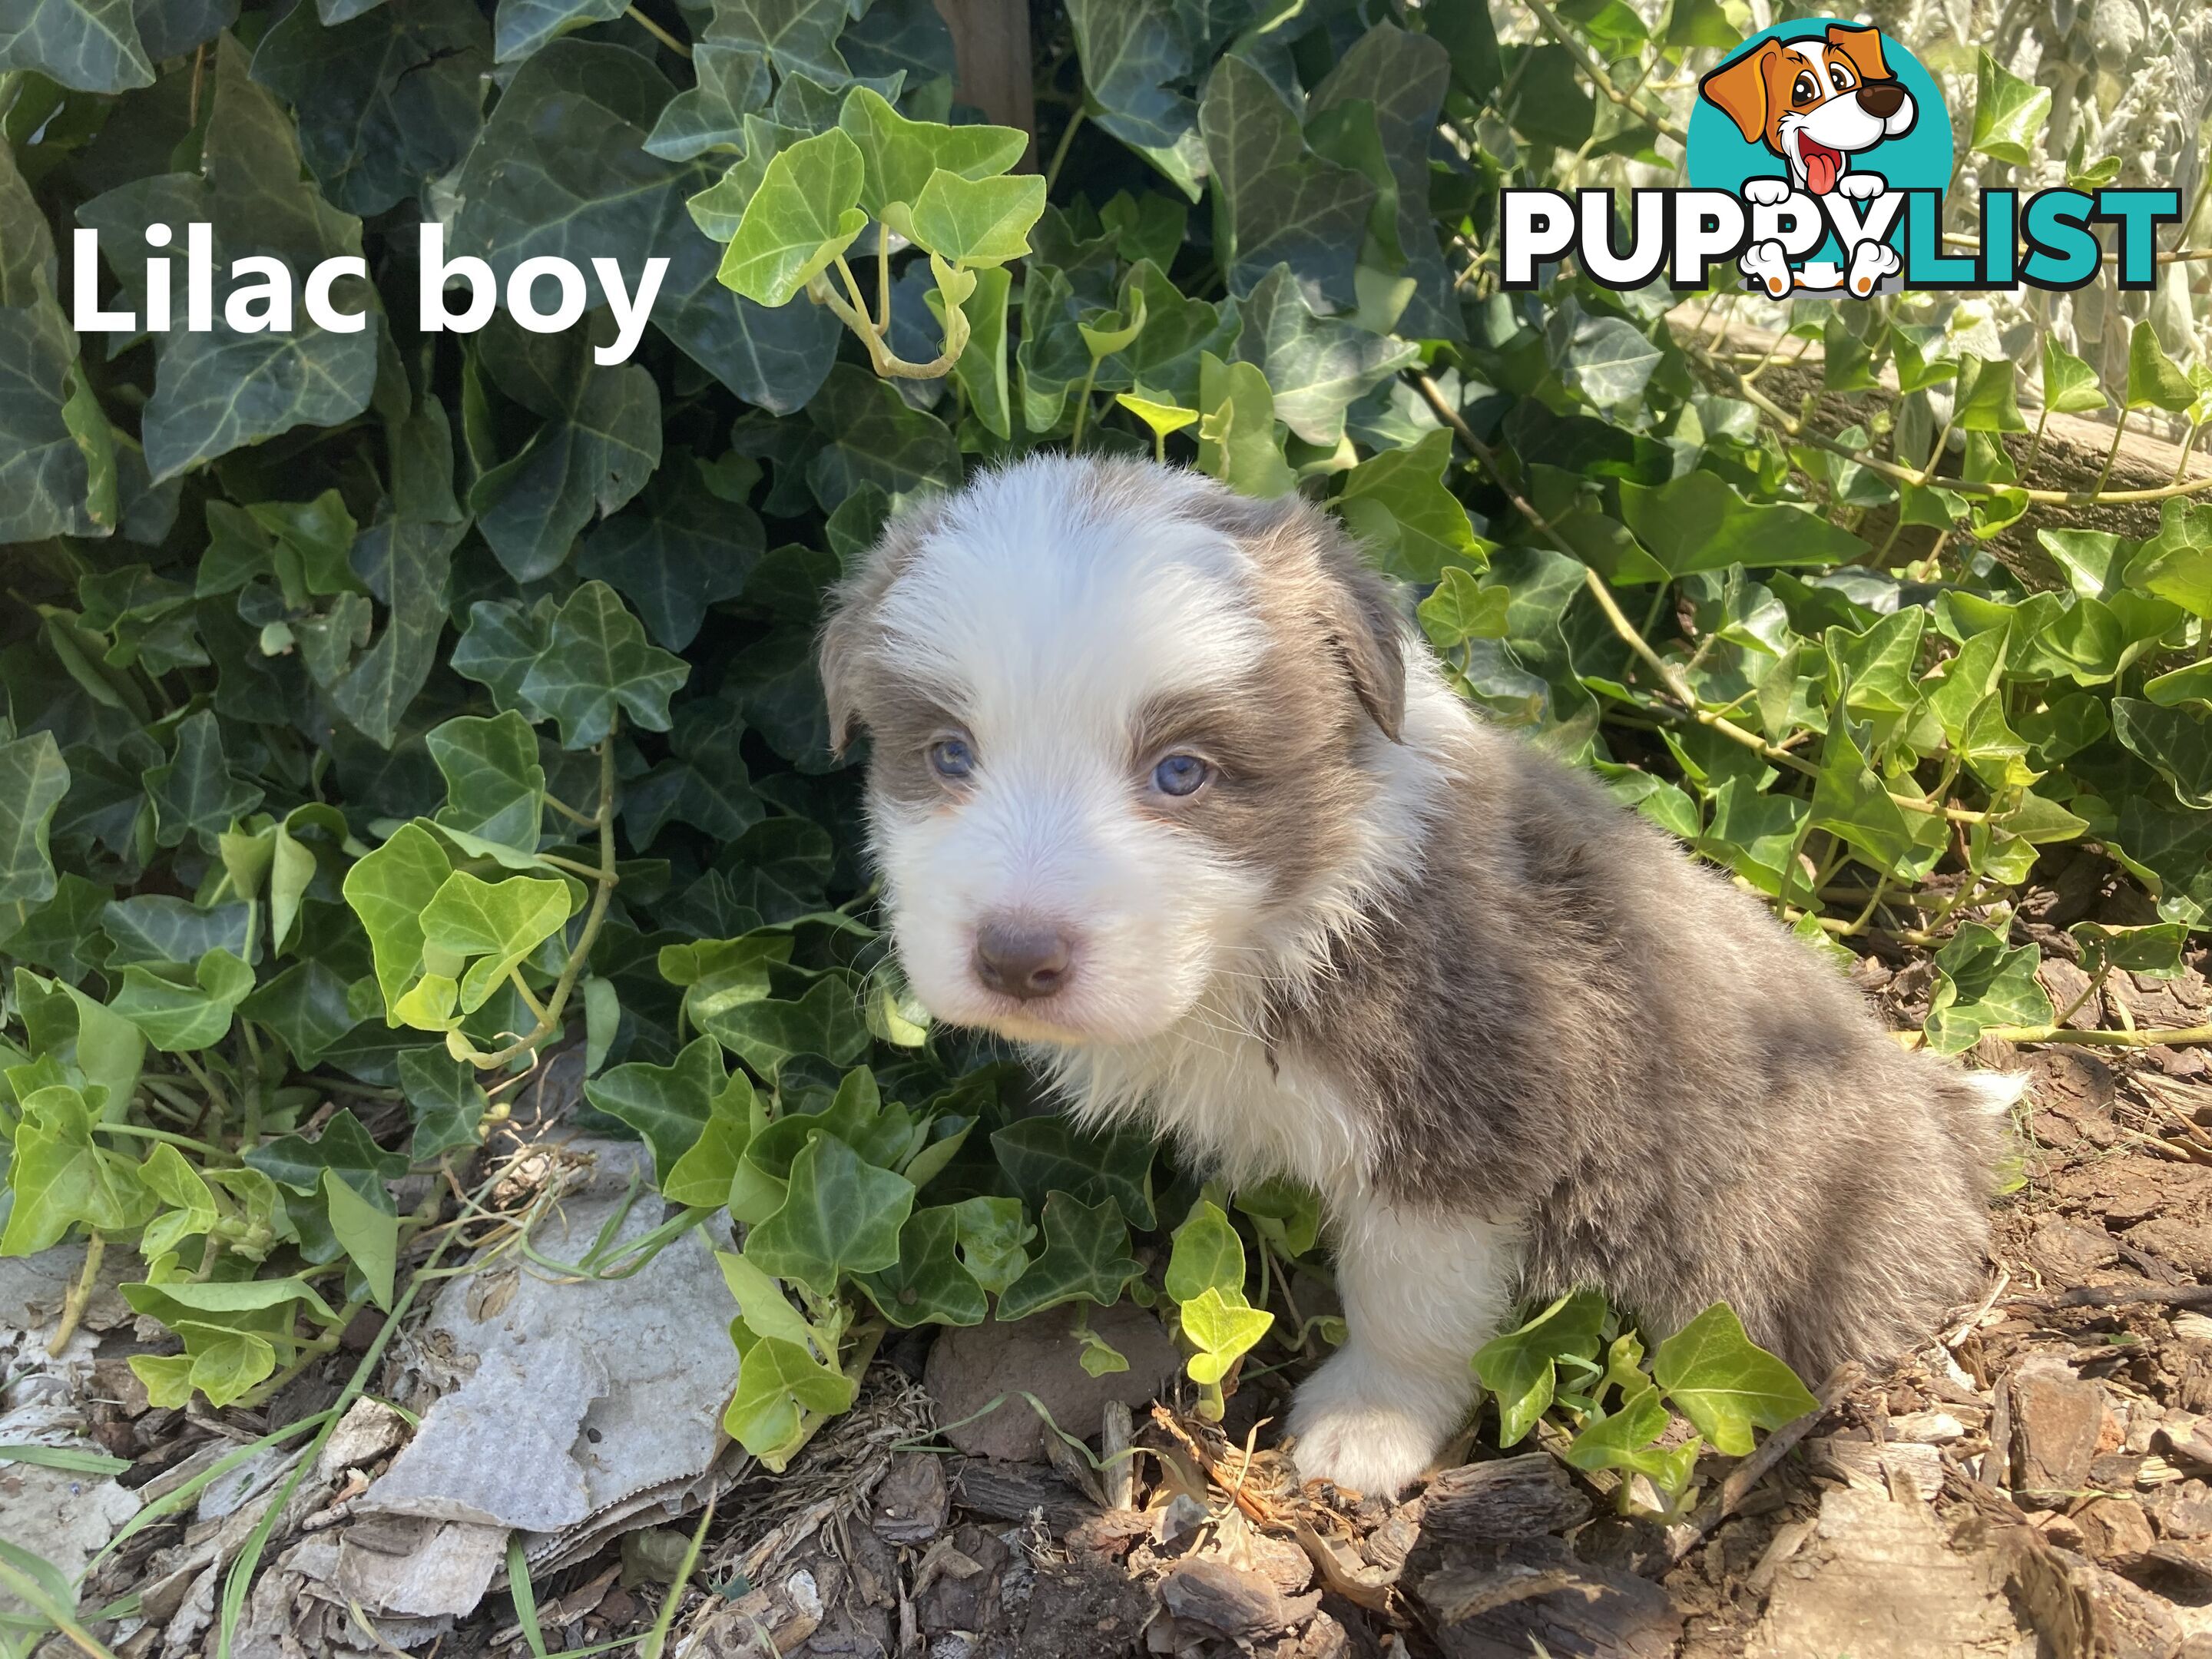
(733, 83)
(670, 1105)
(2069, 385)
(1316, 368)
(499, 922)
(899, 157)
(872, 437)
(494, 785)
(674, 551)
(597, 661)
(343, 1149)
(1625, 1440)
(307, 1005)
(766, 1032)
(798, 36)
(388, 890)
(2009, 113)
(1135, 55)
(994, 1236)
(926, 1285)
(2154, 381)
(195, 794)
(60, 1176)
(1085, 1258)
(525, 26)
(160, 927)
(2178, 742)
(1986, 400)
(180, 1009)
(1278, 203)
(1982, 982)
(33, 778)
(1715, 1376)
(2176, 564)
(385, 102)
(66, 1026)
(1518, 1366)
(1236, 441)
(416, 557)
(839, 1216)
(805, 214)
(1207, 1255)
(1044, 1155)
(977, 221)
(89, 46)
(1222, 1332)
(598, 443)
(1700, 522)
(217, 390)
(777, 1382)
(703, 1175)
(1461, 610)
(2153, 950)
(1396, 502)
(367, 1234)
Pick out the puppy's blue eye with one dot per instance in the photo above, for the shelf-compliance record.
(952, 757)
(1179, 775)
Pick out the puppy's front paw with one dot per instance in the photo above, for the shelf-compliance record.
(1766, 193)
(1861, 186)
(1870, 263)
(1767, 263)
(1370, 1427)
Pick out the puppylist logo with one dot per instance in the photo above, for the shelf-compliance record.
(1818, 155)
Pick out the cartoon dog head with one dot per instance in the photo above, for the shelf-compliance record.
(1815, 103)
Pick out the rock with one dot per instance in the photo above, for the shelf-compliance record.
(2070, 1252)
(1902, 1469)
(1878, 1581)
(2182, 1510)
(2057, 1422)
(1508, 1497)
(2186, 1245)
(971, 1366)
(419, 1568)
(2115, 1531)
(913, 1500)
(1935, 1428)
(63, 1516)
(1508, 1600)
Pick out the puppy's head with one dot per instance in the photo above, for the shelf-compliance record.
(1122, 726)
(1815, 102)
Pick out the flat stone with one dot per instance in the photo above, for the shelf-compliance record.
(2115, 1530)
(2185, 1244)
(2182, 1510)
(971, 1366)
(444, 1567)
(369, 1429)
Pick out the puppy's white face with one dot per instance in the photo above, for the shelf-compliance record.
(1082, 794)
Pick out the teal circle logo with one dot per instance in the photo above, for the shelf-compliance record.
(1824, 109)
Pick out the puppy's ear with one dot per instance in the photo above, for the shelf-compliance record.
(1739, 89)
(838, 657)
(1863, 48)
(1357, 609)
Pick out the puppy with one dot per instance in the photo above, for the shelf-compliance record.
(1816, 104)
(1161, 788)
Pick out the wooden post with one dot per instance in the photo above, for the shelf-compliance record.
(991, 38)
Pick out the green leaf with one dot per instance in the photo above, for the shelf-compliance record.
(180, 1009)
(195, 794)
(498, 922)
(1085, 1258)
(1982, 982)
(670, 1106)
(2153, 950)
(977, 221)
(899, 157)
(805, 214)
(388, 890)
(1044, 1155)
(2176, 564)
(777, 1381)
(416, 558)
(1135, 55)
(2010, 113)
(1462, 610)
(1700, 522)
(494, 785)
(926, 1285)
(445, 1099)
(596, 662)
(1625, 1440)
(1986, 400)
(1316, 368)
(1275, 201)
(2177, 742)
(841, 1216)
(702, 1174)
(60, 1176)
(798, 36)
(2154, 381)
(1715, 1376)
(1236, 441)
(33, 778)
(385, 102)
(872, 437)
(368, 1234)
(675, 550)
(1518, 1366)
(1222, 1332)
(598, 443)
(2069, 385)
(994, 1235)
(90, 45)
(1208, 1255)
(218, 391)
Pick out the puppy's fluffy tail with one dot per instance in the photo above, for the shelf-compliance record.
(1995, 1092)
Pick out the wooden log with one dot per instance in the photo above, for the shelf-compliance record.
(991, 39)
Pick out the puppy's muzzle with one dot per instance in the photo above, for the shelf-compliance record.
(1021, 958)
(1881, 99)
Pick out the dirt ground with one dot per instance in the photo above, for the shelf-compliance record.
(2038, 1481)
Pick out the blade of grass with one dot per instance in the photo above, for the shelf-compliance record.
(525, 1595)
(656, 1638)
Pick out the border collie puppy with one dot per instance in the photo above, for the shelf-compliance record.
(1162, 788)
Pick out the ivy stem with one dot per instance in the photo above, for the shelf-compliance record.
(589, 872)
(1083, 408)
(2035, 443)
(2143, 1037)
(2119, 431)
(141, 1131)
(1587, 62)
(209, 1086)
(2188, 444)
(80, 1293)
(549, 1017)
(570, 812)
(1060, 149)
(682, 49)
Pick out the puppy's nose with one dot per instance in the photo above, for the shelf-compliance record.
(1881, 99)
(1025, 959)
